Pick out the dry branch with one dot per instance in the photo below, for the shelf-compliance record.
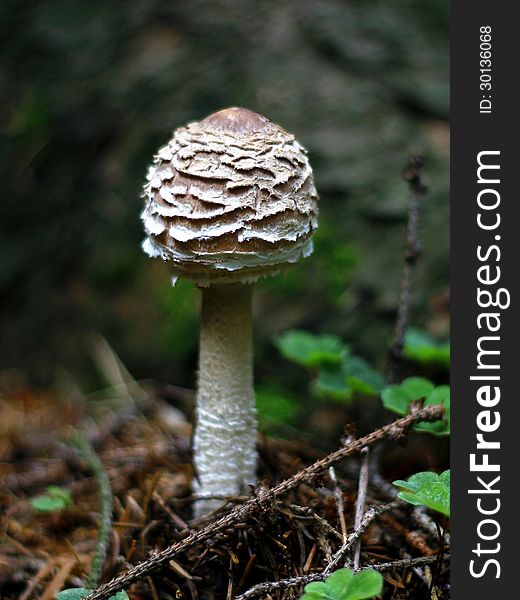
(412, 175)
(355, 536)
(361, 501)
(272, 586)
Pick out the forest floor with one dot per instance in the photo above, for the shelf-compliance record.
(143, 444)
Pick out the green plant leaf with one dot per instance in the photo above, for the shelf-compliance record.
(331, 382)
(343, 584)
(58, 492)
(53, 500)
(366, 584)
(73, 594)
(339, 374)
(417, 387)
(311, 350)
(77, 593)
(362, 378)
(440, 395)
(397, 398)
(275, 407)
(421, 347)
(313, 591)
(354, 374)
(427, 489)
(47, 504)
(337, 583)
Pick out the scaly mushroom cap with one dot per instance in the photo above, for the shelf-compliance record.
(230, 199)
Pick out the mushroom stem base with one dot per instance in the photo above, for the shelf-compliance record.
(224, 442)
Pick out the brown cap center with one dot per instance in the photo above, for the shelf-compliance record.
(238, 121)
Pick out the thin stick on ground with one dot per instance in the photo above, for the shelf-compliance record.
(260, 501)
(354, 537)
(262, 589)
(338, 496)
(411, 174)
(105, 501)
(328, 527)
(361, 501)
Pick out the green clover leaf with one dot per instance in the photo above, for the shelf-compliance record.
(275, 407)
(353, 375)
(397, 398)
(338, 374)
(422, 348)
(427, 489)
(311, 350)
(362, 378)
(345, 585)
(73, 594)
(77, 593)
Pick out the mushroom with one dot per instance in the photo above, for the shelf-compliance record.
(228, 200)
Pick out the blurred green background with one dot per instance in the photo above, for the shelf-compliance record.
(90, 90)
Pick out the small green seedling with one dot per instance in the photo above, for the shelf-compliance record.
(338, 375)
(422, 348)
(310, 350)
(77, 593)
(427, 489)
(54, 500)
(397, 398)
(352, 375)
(345, 585)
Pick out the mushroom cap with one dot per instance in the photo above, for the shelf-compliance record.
(229, 199)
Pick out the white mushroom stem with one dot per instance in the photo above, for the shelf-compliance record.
(224, 443)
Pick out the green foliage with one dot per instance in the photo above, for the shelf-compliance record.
(336, 261)
(331, 382)
(361, 377)
(178, 310)
(337, 373)
(427, 489)
(273, 406)
(352, 375)
(422, 348)
(77, 593)
(345, 585)
(73, 594)
(397, 398)
(54, 500)
(311, 350)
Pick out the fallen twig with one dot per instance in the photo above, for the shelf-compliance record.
(361, 501)
(354, 537)
(328, 527)
(338, 496)
(272, 586)
(105, 501)
(411, 174)
(263, 498)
